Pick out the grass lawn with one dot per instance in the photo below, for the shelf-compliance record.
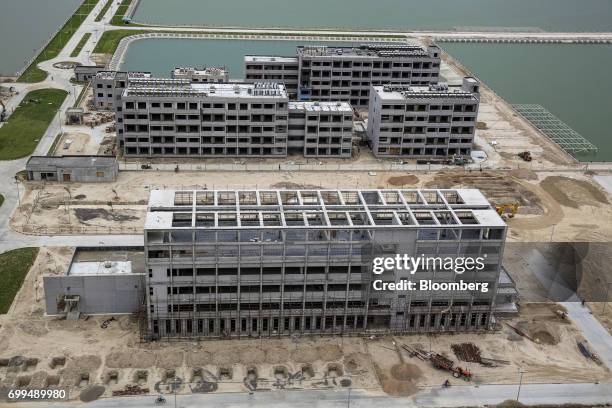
(77, 50)
(26, 126)
(33, 73)
(109, 41)
(102, 12)
(14, 266)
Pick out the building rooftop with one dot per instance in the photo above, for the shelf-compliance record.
(244, 209)
(212, 71)
(71, 161)
(184, 87)
(270, 58)
(100, 268)
(385, 50)
(321, 106)
(122, 74)
(395, 92)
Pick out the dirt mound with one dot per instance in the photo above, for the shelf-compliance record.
(330, 352)
(544, 337)
(88, 214)
(403, 180)
(198, 358)
(572, 193)
(91, 393)
(406, 372)
(509, 404)
(33, 328)
(395, 387)
(130, 359)
(225, 355)
(305, 354)
(356, 362)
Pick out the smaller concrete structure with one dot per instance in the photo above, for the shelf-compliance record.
(74, 116)
(85, 73)
(108, 287)
(84, 169)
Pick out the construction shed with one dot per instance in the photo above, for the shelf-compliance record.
(98, 287)
(82, 169)
(84, 73)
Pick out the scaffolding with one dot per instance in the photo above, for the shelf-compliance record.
(556, 130)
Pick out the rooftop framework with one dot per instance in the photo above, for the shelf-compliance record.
(557, 130)
(319, 208)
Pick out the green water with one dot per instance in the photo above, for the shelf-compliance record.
(159, 56)
(551, 15)
(573, 82)
(25, 25)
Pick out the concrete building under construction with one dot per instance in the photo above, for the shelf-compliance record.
(345, 73)
(282, 262)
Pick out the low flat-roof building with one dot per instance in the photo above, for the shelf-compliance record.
(85, 73)
(82, 169)
(98, 287)
(423, 121)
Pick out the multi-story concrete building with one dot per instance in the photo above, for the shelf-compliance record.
(279, 262)
(346, 73)
(423, 121)
(108, 86)
(320, 129)
(205, 75)
(180, 118)
(273, 69)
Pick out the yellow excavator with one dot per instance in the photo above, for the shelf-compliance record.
(507, 210)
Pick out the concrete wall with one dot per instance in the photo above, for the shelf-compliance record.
(82, 175)
(100, 294)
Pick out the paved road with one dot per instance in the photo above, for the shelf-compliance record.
(597, 336)
(456, 396)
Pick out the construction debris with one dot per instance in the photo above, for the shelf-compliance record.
(131, 390)
(467, 352)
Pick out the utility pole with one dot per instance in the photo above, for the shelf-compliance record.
(518, 393)
(348, 401)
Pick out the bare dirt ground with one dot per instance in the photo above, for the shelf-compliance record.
(551, 207)
(46, 351)
(76, 143)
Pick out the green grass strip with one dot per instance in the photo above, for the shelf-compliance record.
(102, 12)
(33, 73)
(26, 126)
(109, 41)
(14, 266)
(77, 50)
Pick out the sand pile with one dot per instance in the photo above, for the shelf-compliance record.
(356, 362)
(407, 180)
(91, 393)
(169, 359)
(305, 354)
(397, 387)
(572, 193)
